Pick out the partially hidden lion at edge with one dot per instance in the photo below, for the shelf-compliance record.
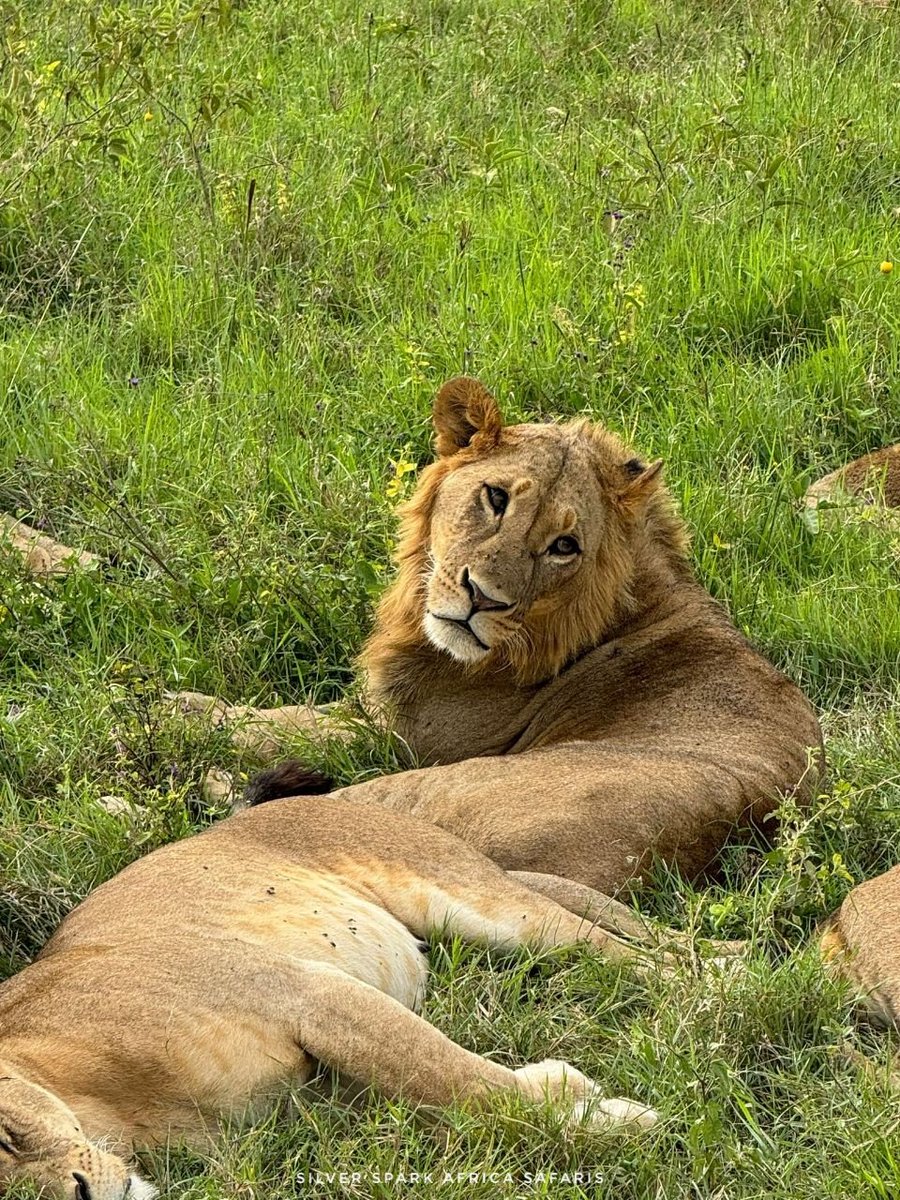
(204, 980)
(583, 705)
(862, 941)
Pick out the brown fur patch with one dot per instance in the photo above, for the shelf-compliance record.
(869, 484)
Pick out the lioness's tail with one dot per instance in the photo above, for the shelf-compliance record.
(291, 778)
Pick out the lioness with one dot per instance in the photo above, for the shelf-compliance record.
(586, 704)
(862, 940)
(866, 487)
(207, 977)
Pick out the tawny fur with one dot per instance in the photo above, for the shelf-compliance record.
(616, 715)
(41, 554)
(867, 486)
(862, 940)
(208, 977)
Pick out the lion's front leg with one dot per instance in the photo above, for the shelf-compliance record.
(261, 731)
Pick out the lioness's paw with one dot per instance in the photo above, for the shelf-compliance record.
(617, 1113)
(567, 1087)
(219, 789)
(554, 1080)
(656, 963)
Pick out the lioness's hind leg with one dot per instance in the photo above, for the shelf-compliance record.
(611, 915)
(478, 901)
(364, 1034)
(871, 1069)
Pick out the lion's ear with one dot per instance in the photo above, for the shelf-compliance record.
(638, 481)
(465, 413)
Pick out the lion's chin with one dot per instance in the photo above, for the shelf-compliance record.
(458, 641)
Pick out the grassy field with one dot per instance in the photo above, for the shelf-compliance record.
(240, 247)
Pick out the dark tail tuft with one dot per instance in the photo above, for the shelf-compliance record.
(291, 778)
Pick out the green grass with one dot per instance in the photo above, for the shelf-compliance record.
(240, 247)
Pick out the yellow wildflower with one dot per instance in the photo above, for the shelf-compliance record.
(887, 267)
(402, 468)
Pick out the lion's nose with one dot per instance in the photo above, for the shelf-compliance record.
(481, 601)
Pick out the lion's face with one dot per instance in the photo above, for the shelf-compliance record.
(512, 535)
(41, 1142)
(528, 532)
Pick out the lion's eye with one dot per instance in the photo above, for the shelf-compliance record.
(564, 547)
(497, 498)
(6, 1147)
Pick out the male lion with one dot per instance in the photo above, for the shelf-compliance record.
(585, 704)
(208, 977)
